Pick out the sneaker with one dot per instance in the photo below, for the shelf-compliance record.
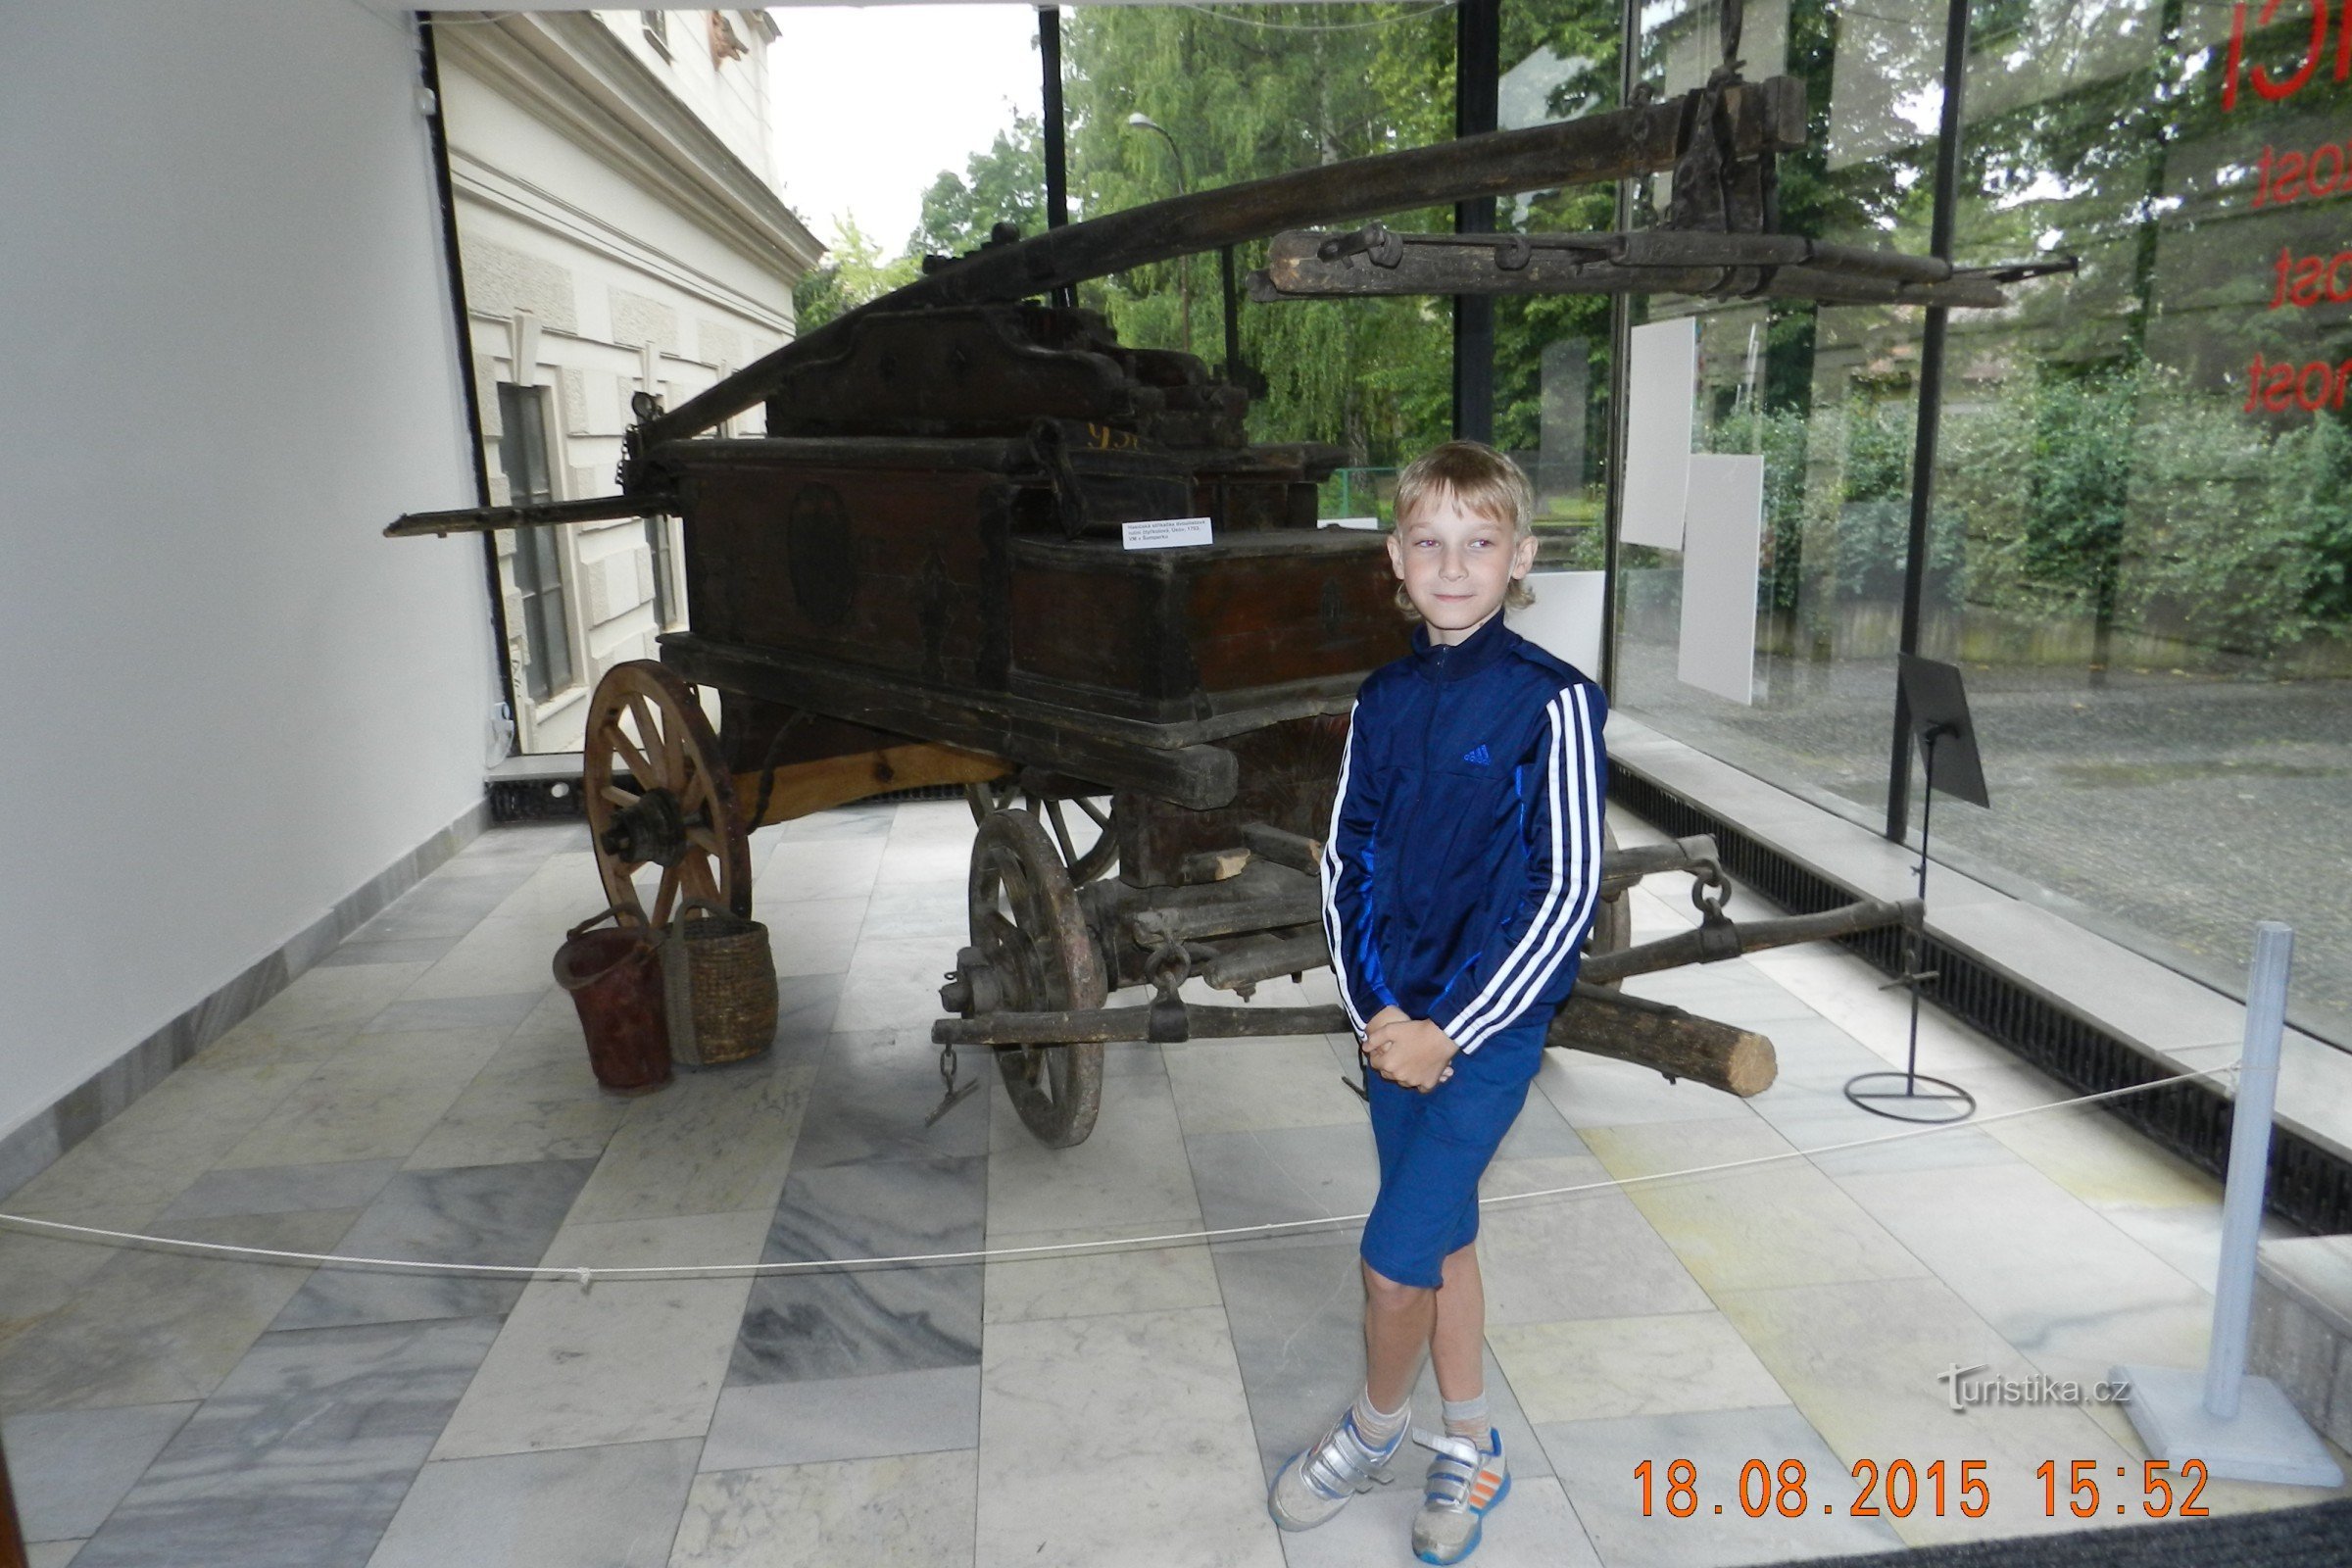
(1316, 1481)
(1466, 1481)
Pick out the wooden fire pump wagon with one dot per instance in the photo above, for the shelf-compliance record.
(916, 578)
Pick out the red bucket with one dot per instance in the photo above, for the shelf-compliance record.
(614, 978)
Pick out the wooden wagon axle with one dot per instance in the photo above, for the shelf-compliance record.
(1597, 1019)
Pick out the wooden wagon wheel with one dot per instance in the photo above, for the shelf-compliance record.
(1087, 865)
(676, 806)
(1027, 925)
(1613, 922)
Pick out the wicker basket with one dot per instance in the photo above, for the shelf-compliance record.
(720, 980)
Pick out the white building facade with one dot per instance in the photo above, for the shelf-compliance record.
(618, 231)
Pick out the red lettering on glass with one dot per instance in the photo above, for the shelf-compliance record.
(2276, 90)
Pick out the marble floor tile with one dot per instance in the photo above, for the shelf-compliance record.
(2045, 1270)
(564, 887)
(160, 1328)
(1132, 1171)
(536, 1099)
(71, 1468)
(1296, 1311)
(1084, 1284)
(854, 1323)
(52, 1554)
(138, 1165)
(1581, 1255)
(1239, 1086)
(492, 1013)
(622, 1361)
(893, 983)
(610, 1507)
(1294, 1173)
(804, 1008)
(500, 956)
(761, 1424)
(1868, 1361)
(376, 1100)
(871, 1095)
(1534, 1527)
(437, 906)
(857, 820)
(1597, 1369)
(285, 1189)
(924, 861)
(2102, 1161)
(1066, 1396)
(303, 1455)
(713, 1141)
(1820, 1120)
(930, 912)
(1779, 1224)
(1596, 1460)
(505, 1215)
(908, 1510)
(318, 1000)
(796, 871)
(392, 950)
(820, 936)
(39, 1275)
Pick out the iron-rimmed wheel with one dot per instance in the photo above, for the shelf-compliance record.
(659, 795)
(1027, 925)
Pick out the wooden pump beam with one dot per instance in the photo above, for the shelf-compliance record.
(1622, 144)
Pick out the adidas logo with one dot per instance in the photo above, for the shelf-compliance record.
(1478, 756)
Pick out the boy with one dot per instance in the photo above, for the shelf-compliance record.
(1461, 874)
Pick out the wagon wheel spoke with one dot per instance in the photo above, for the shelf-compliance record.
(665, 895)
(619, 796)
(1062, 832)
(1100, 815)
(639, 769)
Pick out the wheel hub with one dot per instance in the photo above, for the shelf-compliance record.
(651, 831)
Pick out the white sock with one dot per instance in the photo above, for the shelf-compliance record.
(1468, 1418)
(1377, 1426)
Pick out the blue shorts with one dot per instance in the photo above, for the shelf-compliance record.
(1435, 1146)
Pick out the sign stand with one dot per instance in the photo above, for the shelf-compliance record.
(2241, 1428)
(1938, 708)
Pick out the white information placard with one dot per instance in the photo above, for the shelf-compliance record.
(1661, 387)
(1165, 533)
(1721, 556)
(1565, 619)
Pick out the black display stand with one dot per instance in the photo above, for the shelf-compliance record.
(1937, 704)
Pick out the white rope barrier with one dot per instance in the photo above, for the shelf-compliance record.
(585, 1276)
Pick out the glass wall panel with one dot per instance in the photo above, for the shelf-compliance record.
(1230, 95)
(2144, 493)
(1824, 395)
(1552, 352)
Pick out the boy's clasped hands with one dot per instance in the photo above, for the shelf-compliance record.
(1409, 1053)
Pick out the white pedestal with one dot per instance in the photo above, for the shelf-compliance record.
(2265, 1441)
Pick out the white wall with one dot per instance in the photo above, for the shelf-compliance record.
(228, 362)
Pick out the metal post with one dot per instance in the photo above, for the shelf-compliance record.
(2249, 1165)
(1232, 322)
(1477, 92)
(1058, 166)
(1931, 404)
(2240, 1428)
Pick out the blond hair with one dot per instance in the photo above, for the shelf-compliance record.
(1479, 479)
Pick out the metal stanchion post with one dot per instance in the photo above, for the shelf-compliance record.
(2242, 1428)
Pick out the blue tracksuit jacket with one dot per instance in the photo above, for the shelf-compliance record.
(1463, 863)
